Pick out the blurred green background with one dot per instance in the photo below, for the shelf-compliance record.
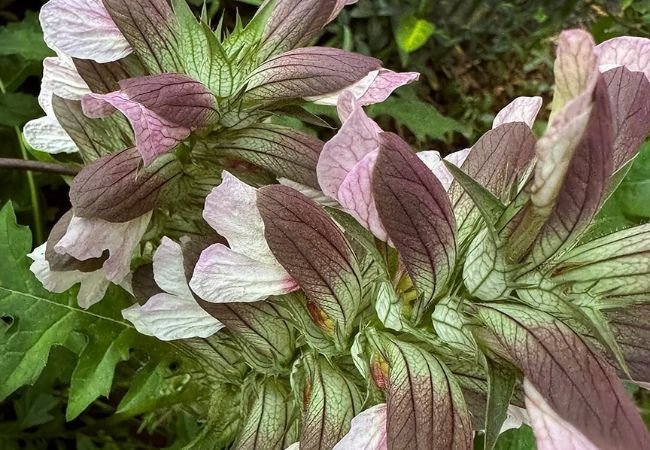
(474, 56)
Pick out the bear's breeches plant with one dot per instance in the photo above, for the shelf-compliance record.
(367, 295)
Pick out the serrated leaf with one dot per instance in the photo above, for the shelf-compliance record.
(311, 247)
(202, 54)
(412, 33)
(420, 117)
(31, 336)
(24, 38)
(415, 210)
(425, 406)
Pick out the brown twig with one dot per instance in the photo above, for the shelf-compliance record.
(38, 166)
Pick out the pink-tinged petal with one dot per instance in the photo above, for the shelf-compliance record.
(231, 209)
(521, 109)
(358, 136)
(153, 134)
(60, 77)
(367, 431)
(551, 431)
(45, 134)
(631, 52)
(93, 284)
(169, 270)
(309, 192)
(223, 276)
(433, 161)
(89, 238)
(576, 75)
(355, 195)
(83, 29)
(169, 317)
(162, 109)
(373, 88)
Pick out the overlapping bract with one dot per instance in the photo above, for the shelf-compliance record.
(490, 243)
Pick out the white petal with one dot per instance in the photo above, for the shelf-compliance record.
(83, 29)
(88, 238)
(169, 269)
(294, 446)
(433, 161)
(515, 419)
(223, 275)
(60, 77)
(631, 52)
(170, 317)
(46, 135)
(93, 284)
(231, 209)
(551, 431)
(309, 192)
(521, 109)
(367, 431)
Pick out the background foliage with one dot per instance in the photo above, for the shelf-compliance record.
(474, 56)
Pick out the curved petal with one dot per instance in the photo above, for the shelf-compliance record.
(631, 52)
(373, 88)
(224, 276)
(340, 4)
(231, 209)
(358, 136)
(60, 77)
(169, 270)
(367, 431)
(433, 161)
(521, 109)
(355, 195)
(515, 418)
(93, 284)
(170, 317)
(309, 192)
(45, 134)
(88, 238)
(551, 431)
(83, 29)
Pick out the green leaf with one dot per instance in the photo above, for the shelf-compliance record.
(412, 33)
(41, 320)
(451, 325)
(331, 401)
(501, 385)
(269, 419)
(517, 439)
(202, 54)
(17, 108)
(634, 191)
(420, 117)
(24, 38)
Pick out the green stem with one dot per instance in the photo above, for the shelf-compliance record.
(33, 192)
